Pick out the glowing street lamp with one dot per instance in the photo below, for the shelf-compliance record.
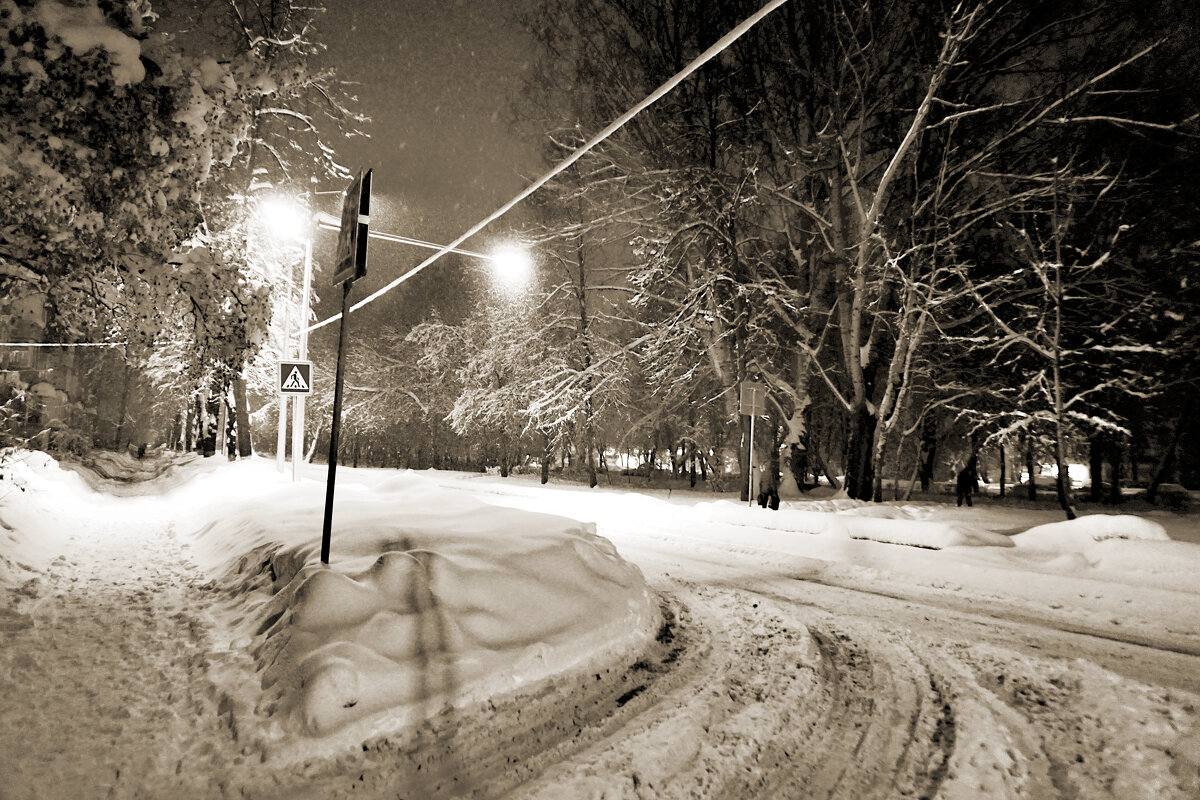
(511, 267)
(284, 218)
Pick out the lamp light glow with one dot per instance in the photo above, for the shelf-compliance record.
(511, 266)
(284, 218)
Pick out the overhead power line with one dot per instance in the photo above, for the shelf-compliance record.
(615, 126)
(62, 344)
(394, 237)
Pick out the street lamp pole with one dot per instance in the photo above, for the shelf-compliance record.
(281, 439)
(298, 408)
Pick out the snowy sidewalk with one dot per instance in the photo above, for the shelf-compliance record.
(102, 670)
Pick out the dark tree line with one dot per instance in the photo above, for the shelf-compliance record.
(903, 218)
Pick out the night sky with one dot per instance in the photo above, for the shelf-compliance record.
(438, 78)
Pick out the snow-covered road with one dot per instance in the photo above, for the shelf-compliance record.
(809, 689)
(824, 692)
(788, 666)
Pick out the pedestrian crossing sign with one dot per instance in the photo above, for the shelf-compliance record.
(295, 377)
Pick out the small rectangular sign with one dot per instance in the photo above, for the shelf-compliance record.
(352, 238)
(753, 399)
(295, 377)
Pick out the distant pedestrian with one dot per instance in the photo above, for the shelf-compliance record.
(768, 494)
(965, 484)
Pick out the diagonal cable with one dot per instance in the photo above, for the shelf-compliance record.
(613, 127)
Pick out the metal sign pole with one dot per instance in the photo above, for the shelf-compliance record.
(751, 404)
(335, 429)
(750, 466)
(352, 265)
(281, 437)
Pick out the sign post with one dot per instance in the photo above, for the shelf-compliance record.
(753, 402)
(351, 265)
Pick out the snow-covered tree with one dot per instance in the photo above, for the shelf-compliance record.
(800, 207)
(106, 142)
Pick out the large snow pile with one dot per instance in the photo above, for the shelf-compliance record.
(30, 532)
(1083, 532)
(432, 597)
(1117, 543)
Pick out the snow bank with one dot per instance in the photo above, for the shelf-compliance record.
(31, 533)
(853, 519)
(1170, 565)
(1080, 534)
(1121, 545)
(433, 597)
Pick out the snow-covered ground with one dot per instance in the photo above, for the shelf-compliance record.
(169, 632)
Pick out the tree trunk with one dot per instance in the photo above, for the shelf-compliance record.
(877, 485)
(230, 430)
(1003, 470)
(773, 471)
(1167, 462)
(200, 418)
(744, 458)
(547, 454)
(1029, 468)
(823, 467)
(928, 451)
(1114, 464)
(222, 422)
(1063, 482)
(245, 450)
(912, 480)
(212, 410)
(896, 466)
(590, 458)
(189, 432)
(1063, 488)
(860, 472)
(124, 410)
(798, 465)
(1096, 467)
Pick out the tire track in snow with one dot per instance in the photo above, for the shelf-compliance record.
(1179, 646)
(775, 709)
(793, 701)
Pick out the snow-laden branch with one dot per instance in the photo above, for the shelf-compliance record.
(11, 269)
(287, 112)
